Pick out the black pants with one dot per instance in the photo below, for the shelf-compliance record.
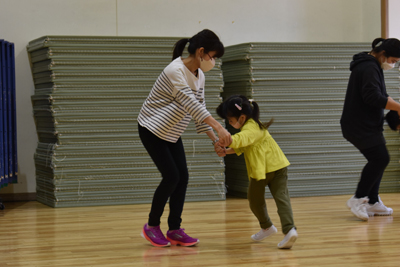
(371, 176)
(170, 160)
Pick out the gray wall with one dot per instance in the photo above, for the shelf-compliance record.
(235, 21)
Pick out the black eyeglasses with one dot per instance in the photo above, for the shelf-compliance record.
(210, 56)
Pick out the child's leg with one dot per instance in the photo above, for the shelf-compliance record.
(278, 188)
(256, 197)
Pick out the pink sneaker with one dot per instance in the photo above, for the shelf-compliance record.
(179, 237)
(154, 236)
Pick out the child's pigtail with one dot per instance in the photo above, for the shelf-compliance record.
(267, 124)
(256, 115)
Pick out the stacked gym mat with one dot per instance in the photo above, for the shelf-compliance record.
(8, 131)
(88, 93)
(302, 86)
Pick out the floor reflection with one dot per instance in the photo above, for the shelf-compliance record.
(169, 256)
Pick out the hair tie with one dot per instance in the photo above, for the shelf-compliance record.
(378, 44)
(251, 101)
(238, 107)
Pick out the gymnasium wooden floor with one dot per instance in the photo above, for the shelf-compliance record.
(33, 234)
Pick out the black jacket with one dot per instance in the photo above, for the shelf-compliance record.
(366, 97)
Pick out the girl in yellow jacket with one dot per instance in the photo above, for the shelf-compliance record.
(266, 165)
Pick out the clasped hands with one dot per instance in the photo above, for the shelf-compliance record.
(219, 149)
(220, 146)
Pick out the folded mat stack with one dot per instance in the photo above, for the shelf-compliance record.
(302, 86)
(88, 93)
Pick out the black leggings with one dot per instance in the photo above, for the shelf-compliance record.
(170, 160)
(371, 176)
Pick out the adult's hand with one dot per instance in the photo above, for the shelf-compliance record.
(393, 105)
(225, 138)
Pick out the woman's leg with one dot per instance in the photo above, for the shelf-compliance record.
(177, 198)
(162, 153)
(371, 176)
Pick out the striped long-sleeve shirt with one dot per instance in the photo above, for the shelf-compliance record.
(176, 97)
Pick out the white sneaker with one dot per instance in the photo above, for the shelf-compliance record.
(358, 207)
(289, 239)
(262, 234)
(379, 209)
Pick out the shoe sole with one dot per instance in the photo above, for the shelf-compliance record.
(178, 243)
(143, 234)
(259, 240)
(372, 214)
(289, 243)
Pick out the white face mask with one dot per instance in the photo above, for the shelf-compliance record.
(387, 66)
(237, 125)
(206, 65)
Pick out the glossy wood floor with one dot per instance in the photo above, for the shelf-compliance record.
(33, 234)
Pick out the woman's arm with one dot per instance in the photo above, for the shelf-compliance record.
(393, 105)
(212, 135)
(218, 149)
(371, 87)
(224, 136)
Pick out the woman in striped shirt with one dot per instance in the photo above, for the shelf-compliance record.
(176, 97)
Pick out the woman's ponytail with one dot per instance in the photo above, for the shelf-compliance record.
(377, 41)
(206, 39)
(179, 47)
(391, 46)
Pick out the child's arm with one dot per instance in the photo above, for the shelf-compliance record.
(249, 134)
(229, 151)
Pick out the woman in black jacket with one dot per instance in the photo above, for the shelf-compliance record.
(362, 121)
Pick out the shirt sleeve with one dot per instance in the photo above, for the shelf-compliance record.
(238, 151)
(249, 134)
(202, 127)
(184, 95)
(372, 91)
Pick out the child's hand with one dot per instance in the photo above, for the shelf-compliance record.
(220, 150)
